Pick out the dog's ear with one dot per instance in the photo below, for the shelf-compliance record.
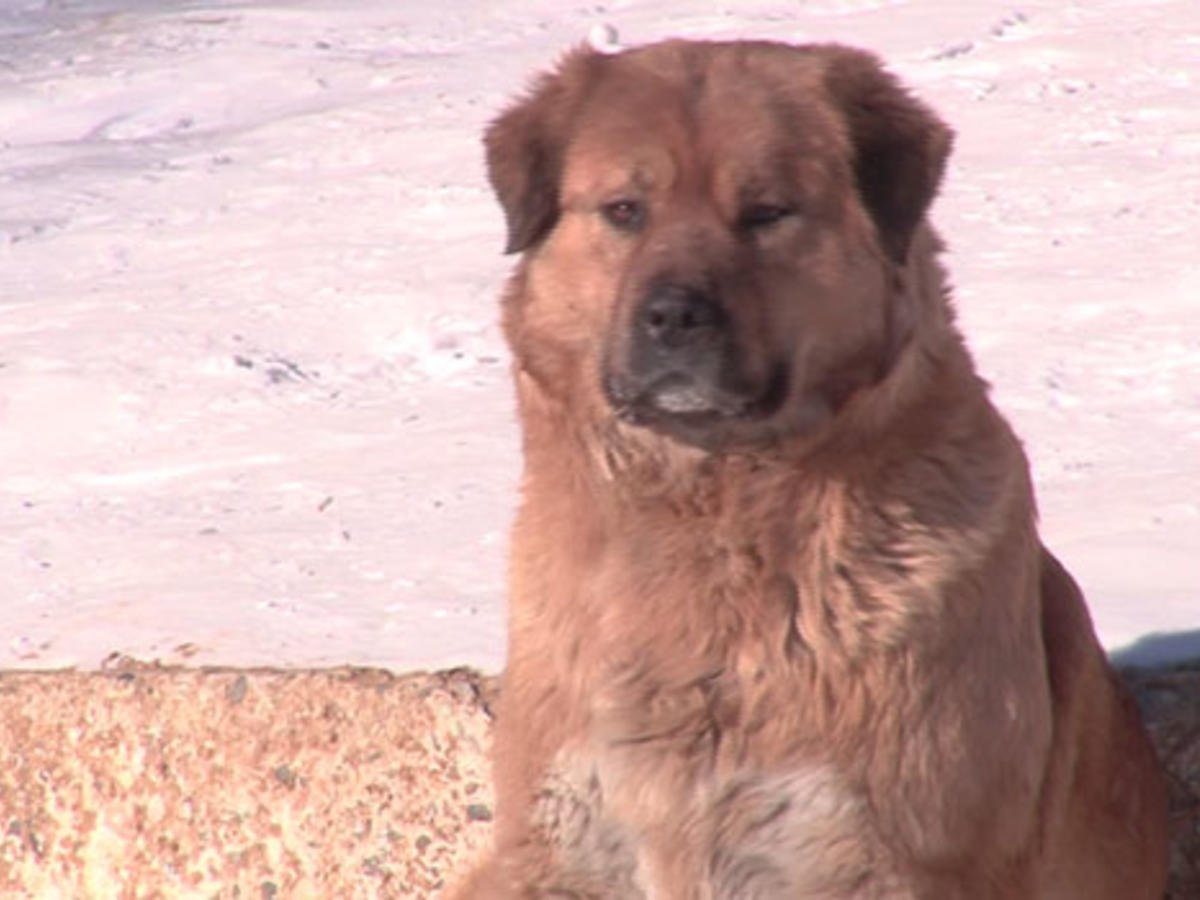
(525, 149)
(900, 146)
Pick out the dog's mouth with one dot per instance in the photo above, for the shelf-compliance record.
(691, 408)
(685, 397)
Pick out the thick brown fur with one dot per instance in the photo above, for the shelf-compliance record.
(805, 642)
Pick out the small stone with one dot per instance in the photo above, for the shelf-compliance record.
(479, 812)
(236, 692)
(604, 38)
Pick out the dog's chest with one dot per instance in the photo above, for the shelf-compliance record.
(698, 767)
(704, 759)
(673, 796)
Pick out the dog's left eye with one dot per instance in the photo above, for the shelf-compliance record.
(761, 216)
(626, 215)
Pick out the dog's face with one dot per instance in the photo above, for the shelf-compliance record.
(713, 232)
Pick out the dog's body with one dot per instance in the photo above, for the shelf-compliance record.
(781, 625)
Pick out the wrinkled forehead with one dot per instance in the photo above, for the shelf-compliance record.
(723, 125)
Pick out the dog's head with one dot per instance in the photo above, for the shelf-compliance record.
(712, 231)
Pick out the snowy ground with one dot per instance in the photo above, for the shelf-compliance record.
(254, 407)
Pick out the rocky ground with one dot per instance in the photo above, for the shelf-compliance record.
(151, 782)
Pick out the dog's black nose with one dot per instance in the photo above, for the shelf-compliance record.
(676, 315)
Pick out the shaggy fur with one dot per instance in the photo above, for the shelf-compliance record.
(781, 625)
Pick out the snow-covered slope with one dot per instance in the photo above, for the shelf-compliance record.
(254, 407)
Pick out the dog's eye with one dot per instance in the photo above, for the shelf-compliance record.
(626, 215)
(762, 215)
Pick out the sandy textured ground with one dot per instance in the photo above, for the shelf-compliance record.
(156, 782)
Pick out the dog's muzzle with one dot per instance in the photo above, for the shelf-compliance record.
(679, 346)
(679, 371)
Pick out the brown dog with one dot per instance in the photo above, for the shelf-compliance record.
(781, 625)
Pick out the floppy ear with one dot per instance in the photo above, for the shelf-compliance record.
(525, 150)
(900, 146)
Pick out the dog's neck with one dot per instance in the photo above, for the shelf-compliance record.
(607, 460)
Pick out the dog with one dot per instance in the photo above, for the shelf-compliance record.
(781, 624)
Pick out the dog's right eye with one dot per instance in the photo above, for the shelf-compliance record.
(762, 216)
(625, 215)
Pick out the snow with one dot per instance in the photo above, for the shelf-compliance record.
(254, 405)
